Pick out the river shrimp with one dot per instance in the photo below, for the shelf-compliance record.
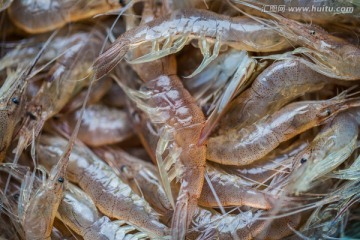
(79, 212)
(101, 125)
(176, 29)
(66, 78)
(39, 16)
(143, 177)
(276, 86)
(330, 55)
(231, 192)
(332, 146)
(113, 198)
(170, 104)
(245, 225)
(246, 145)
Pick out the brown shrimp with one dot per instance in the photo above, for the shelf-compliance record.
(113, 197)
(39, 16)
(170, 104)
(277, 85)
(251, 143)
(79, 212)
(101, 125)
(331, 56)
(177, 28)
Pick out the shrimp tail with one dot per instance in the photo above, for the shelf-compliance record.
(184, 210)
(110, 58)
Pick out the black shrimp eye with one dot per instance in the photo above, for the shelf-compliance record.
(123, 168)
(303, 160)
(16, 196)
(312, 32)
(15, 100)
(60, 179)
(328, 112)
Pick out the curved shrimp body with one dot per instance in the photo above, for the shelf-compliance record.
(231, 192)
(169, 103)
(67, 77)
(177, 28)
(140, 175)
(100, 125)
(42, 16)
(277, 85)
(113, 198)
(246, 225)
(333, 145)
(251, 143)
(11, 102)
(79, 212)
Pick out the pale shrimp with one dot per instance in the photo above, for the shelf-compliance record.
(12, 98)
(251, 143)
(176, 29)
(276, 162)
(42, 16)
(142, 177)
(276, 86)
(330, 55)
(101, 125)
(231, 192)
(331, 147)
(245, 225)
(67, 77)
(114, 198)
(79, 212)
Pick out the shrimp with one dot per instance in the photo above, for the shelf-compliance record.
(143, 177)
(39, 16)
(101, 125)
(231, 192)
(246, 225)
(177, 28)
(269, 166)
(249, 144)
(333, 145)
(11, 104)
(170, 104)
(67, 77)
(79, 212)
(112, 197)
(331, 56)
(280, 83)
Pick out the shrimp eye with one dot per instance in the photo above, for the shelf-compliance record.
(312, 32)
(303, 160)
(16, 196)
(60, 179)
(328, 112)
(123, 168)
(15, 100)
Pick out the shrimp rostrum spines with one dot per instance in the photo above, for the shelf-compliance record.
(244, 146)
(178, 28)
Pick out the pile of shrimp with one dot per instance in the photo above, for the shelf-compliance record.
(161, 119)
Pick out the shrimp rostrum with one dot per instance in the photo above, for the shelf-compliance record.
(171, 33)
